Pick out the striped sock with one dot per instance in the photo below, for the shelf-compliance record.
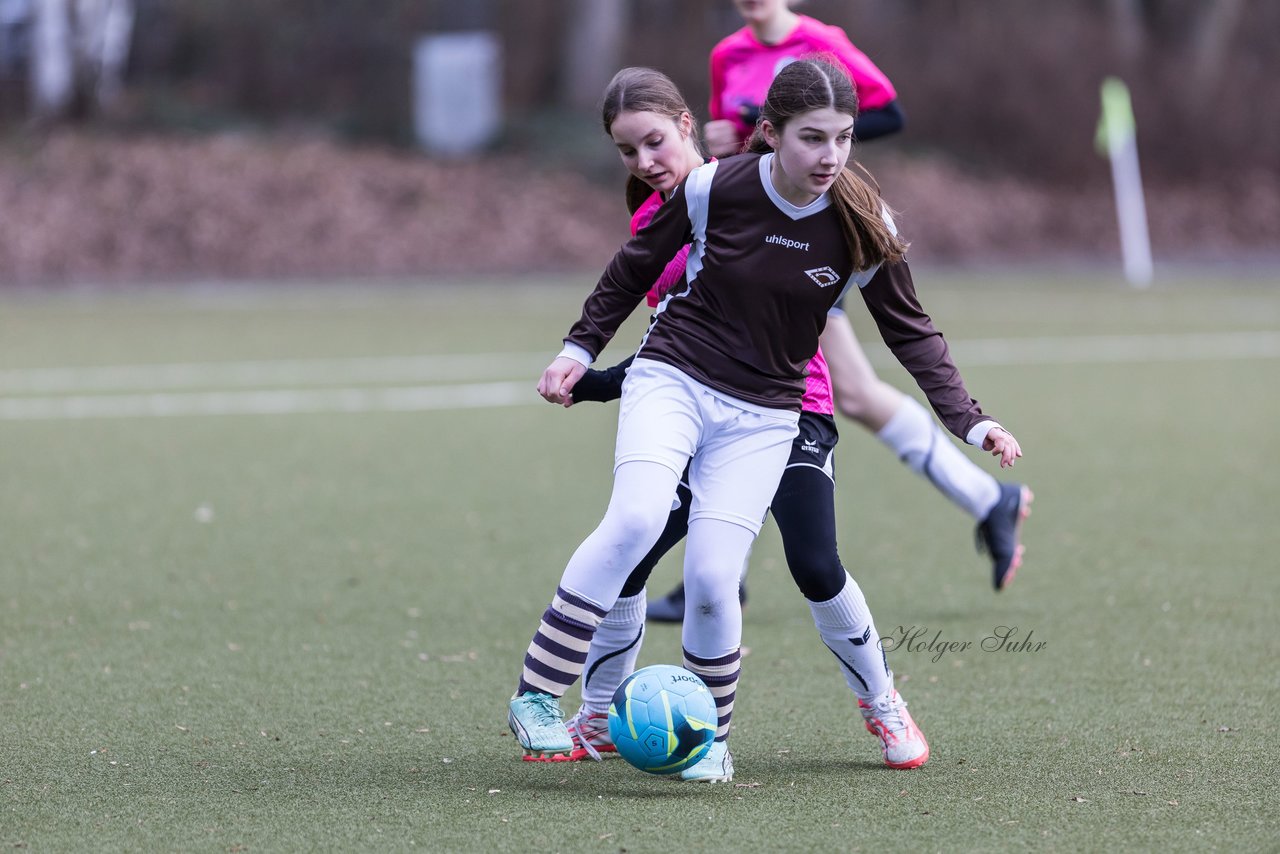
(559, 648)
(721, 675)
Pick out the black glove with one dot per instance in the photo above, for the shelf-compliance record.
(601, 386)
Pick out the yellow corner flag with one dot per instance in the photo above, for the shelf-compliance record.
(1116, 124)
(1117, 140)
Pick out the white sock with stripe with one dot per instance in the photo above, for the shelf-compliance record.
(613, 652)
(845, 624)
(920, 443)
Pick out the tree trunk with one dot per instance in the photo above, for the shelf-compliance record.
(1218, 22)
(1128, 32)
(594, 49)
(106, 31)
(79, 49)
(52, 77)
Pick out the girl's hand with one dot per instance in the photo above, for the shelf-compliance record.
(1000, 443)
(559, 379)
(722, 138)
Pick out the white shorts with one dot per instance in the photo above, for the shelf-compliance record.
(739, 450)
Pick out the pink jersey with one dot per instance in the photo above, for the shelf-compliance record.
(817, 391)
(675, 267)
(742, 67)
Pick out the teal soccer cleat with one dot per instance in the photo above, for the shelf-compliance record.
(538, 724)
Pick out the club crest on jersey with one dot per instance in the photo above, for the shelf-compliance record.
(824, 276)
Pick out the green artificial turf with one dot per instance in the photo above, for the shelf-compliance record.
(299, 631)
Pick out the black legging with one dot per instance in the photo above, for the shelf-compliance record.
(804, 508)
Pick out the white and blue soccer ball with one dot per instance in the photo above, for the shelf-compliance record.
(662, 719)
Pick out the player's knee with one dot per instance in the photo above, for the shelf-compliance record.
(712, 583)
(637, 523)
(818, 573)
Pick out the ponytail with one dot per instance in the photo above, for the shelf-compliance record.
(637, 192)
(862, 219)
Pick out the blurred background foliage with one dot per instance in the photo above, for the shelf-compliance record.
(1006, 85)
(276, 137)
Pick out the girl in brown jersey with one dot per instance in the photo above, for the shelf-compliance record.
(652, 127)
(717, 383)
(742, 66)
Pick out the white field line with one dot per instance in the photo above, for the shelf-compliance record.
(252, 399)
(1171, 347)
(277, 373)
(269, 402)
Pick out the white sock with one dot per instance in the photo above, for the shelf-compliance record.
(845, 625)
(613, 652)
(920, 443)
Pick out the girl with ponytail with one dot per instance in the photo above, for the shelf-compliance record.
(823, 81)
(719, 385)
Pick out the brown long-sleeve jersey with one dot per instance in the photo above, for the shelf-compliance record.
(760, 278)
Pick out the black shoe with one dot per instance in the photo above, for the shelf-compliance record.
(670, 608)
(1000, 534)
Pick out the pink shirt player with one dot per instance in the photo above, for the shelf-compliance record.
(742, 67)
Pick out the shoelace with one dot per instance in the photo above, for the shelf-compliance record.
(890, 714)
(575, 724)
(545, 710)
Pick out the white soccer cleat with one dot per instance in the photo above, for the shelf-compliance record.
(715, 767)
(887, 718)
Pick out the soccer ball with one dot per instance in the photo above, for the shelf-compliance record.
(662, 719)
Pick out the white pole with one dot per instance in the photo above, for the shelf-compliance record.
(1118, 129)
(52, 69)
(1131, 211)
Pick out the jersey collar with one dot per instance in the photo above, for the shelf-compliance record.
(819, 204)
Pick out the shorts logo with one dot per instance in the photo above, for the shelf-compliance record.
(810, 447)
(824, 276)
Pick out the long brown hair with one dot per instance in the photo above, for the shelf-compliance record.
(644, 90)
(814, 83)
